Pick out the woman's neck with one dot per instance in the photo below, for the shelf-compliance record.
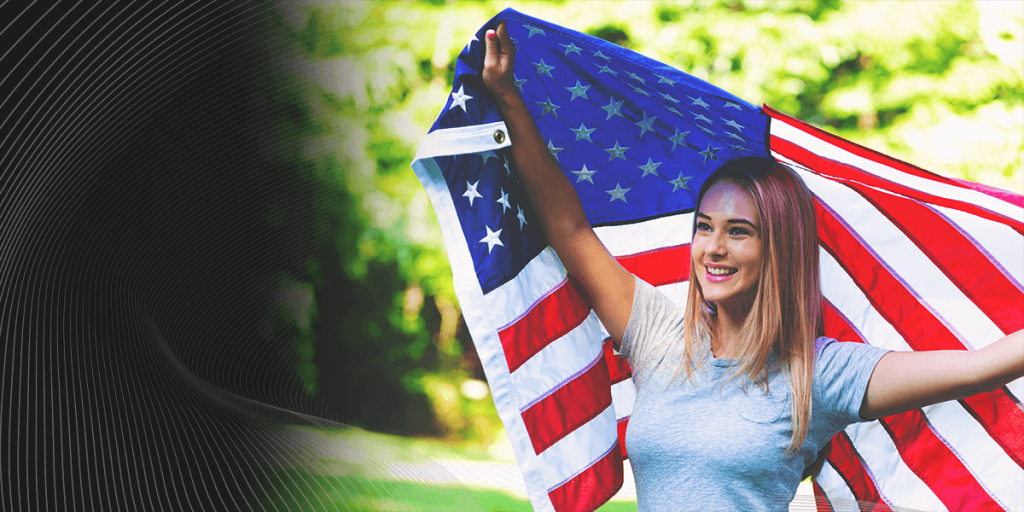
(728, 323)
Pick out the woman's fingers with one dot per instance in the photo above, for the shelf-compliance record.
(499, 58)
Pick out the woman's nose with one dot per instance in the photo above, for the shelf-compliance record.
(716, 245)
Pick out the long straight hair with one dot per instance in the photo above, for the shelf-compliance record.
(786, 311)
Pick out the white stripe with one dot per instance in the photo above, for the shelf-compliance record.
(1002, 242)
(649, 235)
(897, 484)
(538, 279)
(913, 267)
(459, 141)
(623, 397)
(782, 130)
(580, 449)
(558, 362)
(483, 328)
(676, 292)
(992, 467)
(836, 490)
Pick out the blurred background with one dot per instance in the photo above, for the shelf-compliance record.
(225, 288)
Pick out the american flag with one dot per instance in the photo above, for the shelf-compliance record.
(909, 261)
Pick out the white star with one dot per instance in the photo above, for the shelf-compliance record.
(554, 151)
(674, 111)
(583, 132)
(616, 152)
(700, 117)
(669, 97)
(665, 80)
(548, 107)
(508, 168)
(618, 193)
(730, 104)
(469, 44)
(521, 217)
(578, 90)
(600, 55)
(645, 124)
(459, 98)
(650, 168)
(471, 192)
(606, 69)
(732, 123)
(503, 201)
(491, 239)
(636, 77)
(613, 108)
(709, 132)
(699, 102)
(710, 153)
(570, 48)
(543, 68)
(679, 139)
(487, 155)
(534, 30)
(738, 149)
(680, 182)
(735, 136)
(641, 91)
(519, 82)
(584, 174)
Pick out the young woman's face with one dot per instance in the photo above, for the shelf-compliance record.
(727, 248)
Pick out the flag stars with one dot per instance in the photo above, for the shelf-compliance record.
(736, 148)
(503, 201)
(730, 104)
(666, 80)
(640, 91)
(636, 77)
(554, 151)
(651, 167)
(707, 131)
(616, 152)
(698, 102)
(487, 155)
(584, 174)
(459, 98)
(699, 117)
(570, 48)
(680, 182)
(669, 97)
(679, 139)
(491, 239)
(519, 82)
(645, 124)
(605, 69)
(534, 31)
(734, 124)
(521, 217)
(735, 136)
(471, 192)
(583, 132)
(618, 193)
(674, 111)
(508, 169)
(600, 55)
(710, 153)
(543, 68)
(549, 108)
(578, 90)
(613, 108)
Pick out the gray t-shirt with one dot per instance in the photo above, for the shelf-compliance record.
(698, 445)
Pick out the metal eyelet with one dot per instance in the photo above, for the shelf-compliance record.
(499, 136)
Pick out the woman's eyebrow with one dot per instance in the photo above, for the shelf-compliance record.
(742, 221)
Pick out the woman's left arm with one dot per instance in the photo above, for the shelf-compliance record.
(903, 381)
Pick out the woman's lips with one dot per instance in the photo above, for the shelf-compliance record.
(718, 274)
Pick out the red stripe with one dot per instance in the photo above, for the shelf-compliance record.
(843, 457)
(592, 487)
(887, 160)
(837, 326)
(621, 427)
(821, 502)
(551, 318)
(661, 266)
(918, 326)
(955, 254)
(843, 173)
(569, 407)
(618, 367)
(937, 466)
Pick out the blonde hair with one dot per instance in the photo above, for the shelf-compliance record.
(786, 311)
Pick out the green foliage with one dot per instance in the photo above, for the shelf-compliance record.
(939, 84)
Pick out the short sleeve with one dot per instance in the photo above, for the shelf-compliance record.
(653, 321)
(841, 374)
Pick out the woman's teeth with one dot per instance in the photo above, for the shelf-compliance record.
(720, 271)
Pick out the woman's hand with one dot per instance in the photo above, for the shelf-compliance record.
(498, 64)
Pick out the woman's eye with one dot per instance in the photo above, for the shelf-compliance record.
(703, 226)
(738, 232)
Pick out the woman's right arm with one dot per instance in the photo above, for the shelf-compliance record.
(606, 285)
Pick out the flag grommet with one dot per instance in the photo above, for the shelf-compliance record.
(499, 136)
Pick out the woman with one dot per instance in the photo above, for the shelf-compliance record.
(736, 394)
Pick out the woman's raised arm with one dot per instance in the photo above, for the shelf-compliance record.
(606, 285)
(907, 380)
